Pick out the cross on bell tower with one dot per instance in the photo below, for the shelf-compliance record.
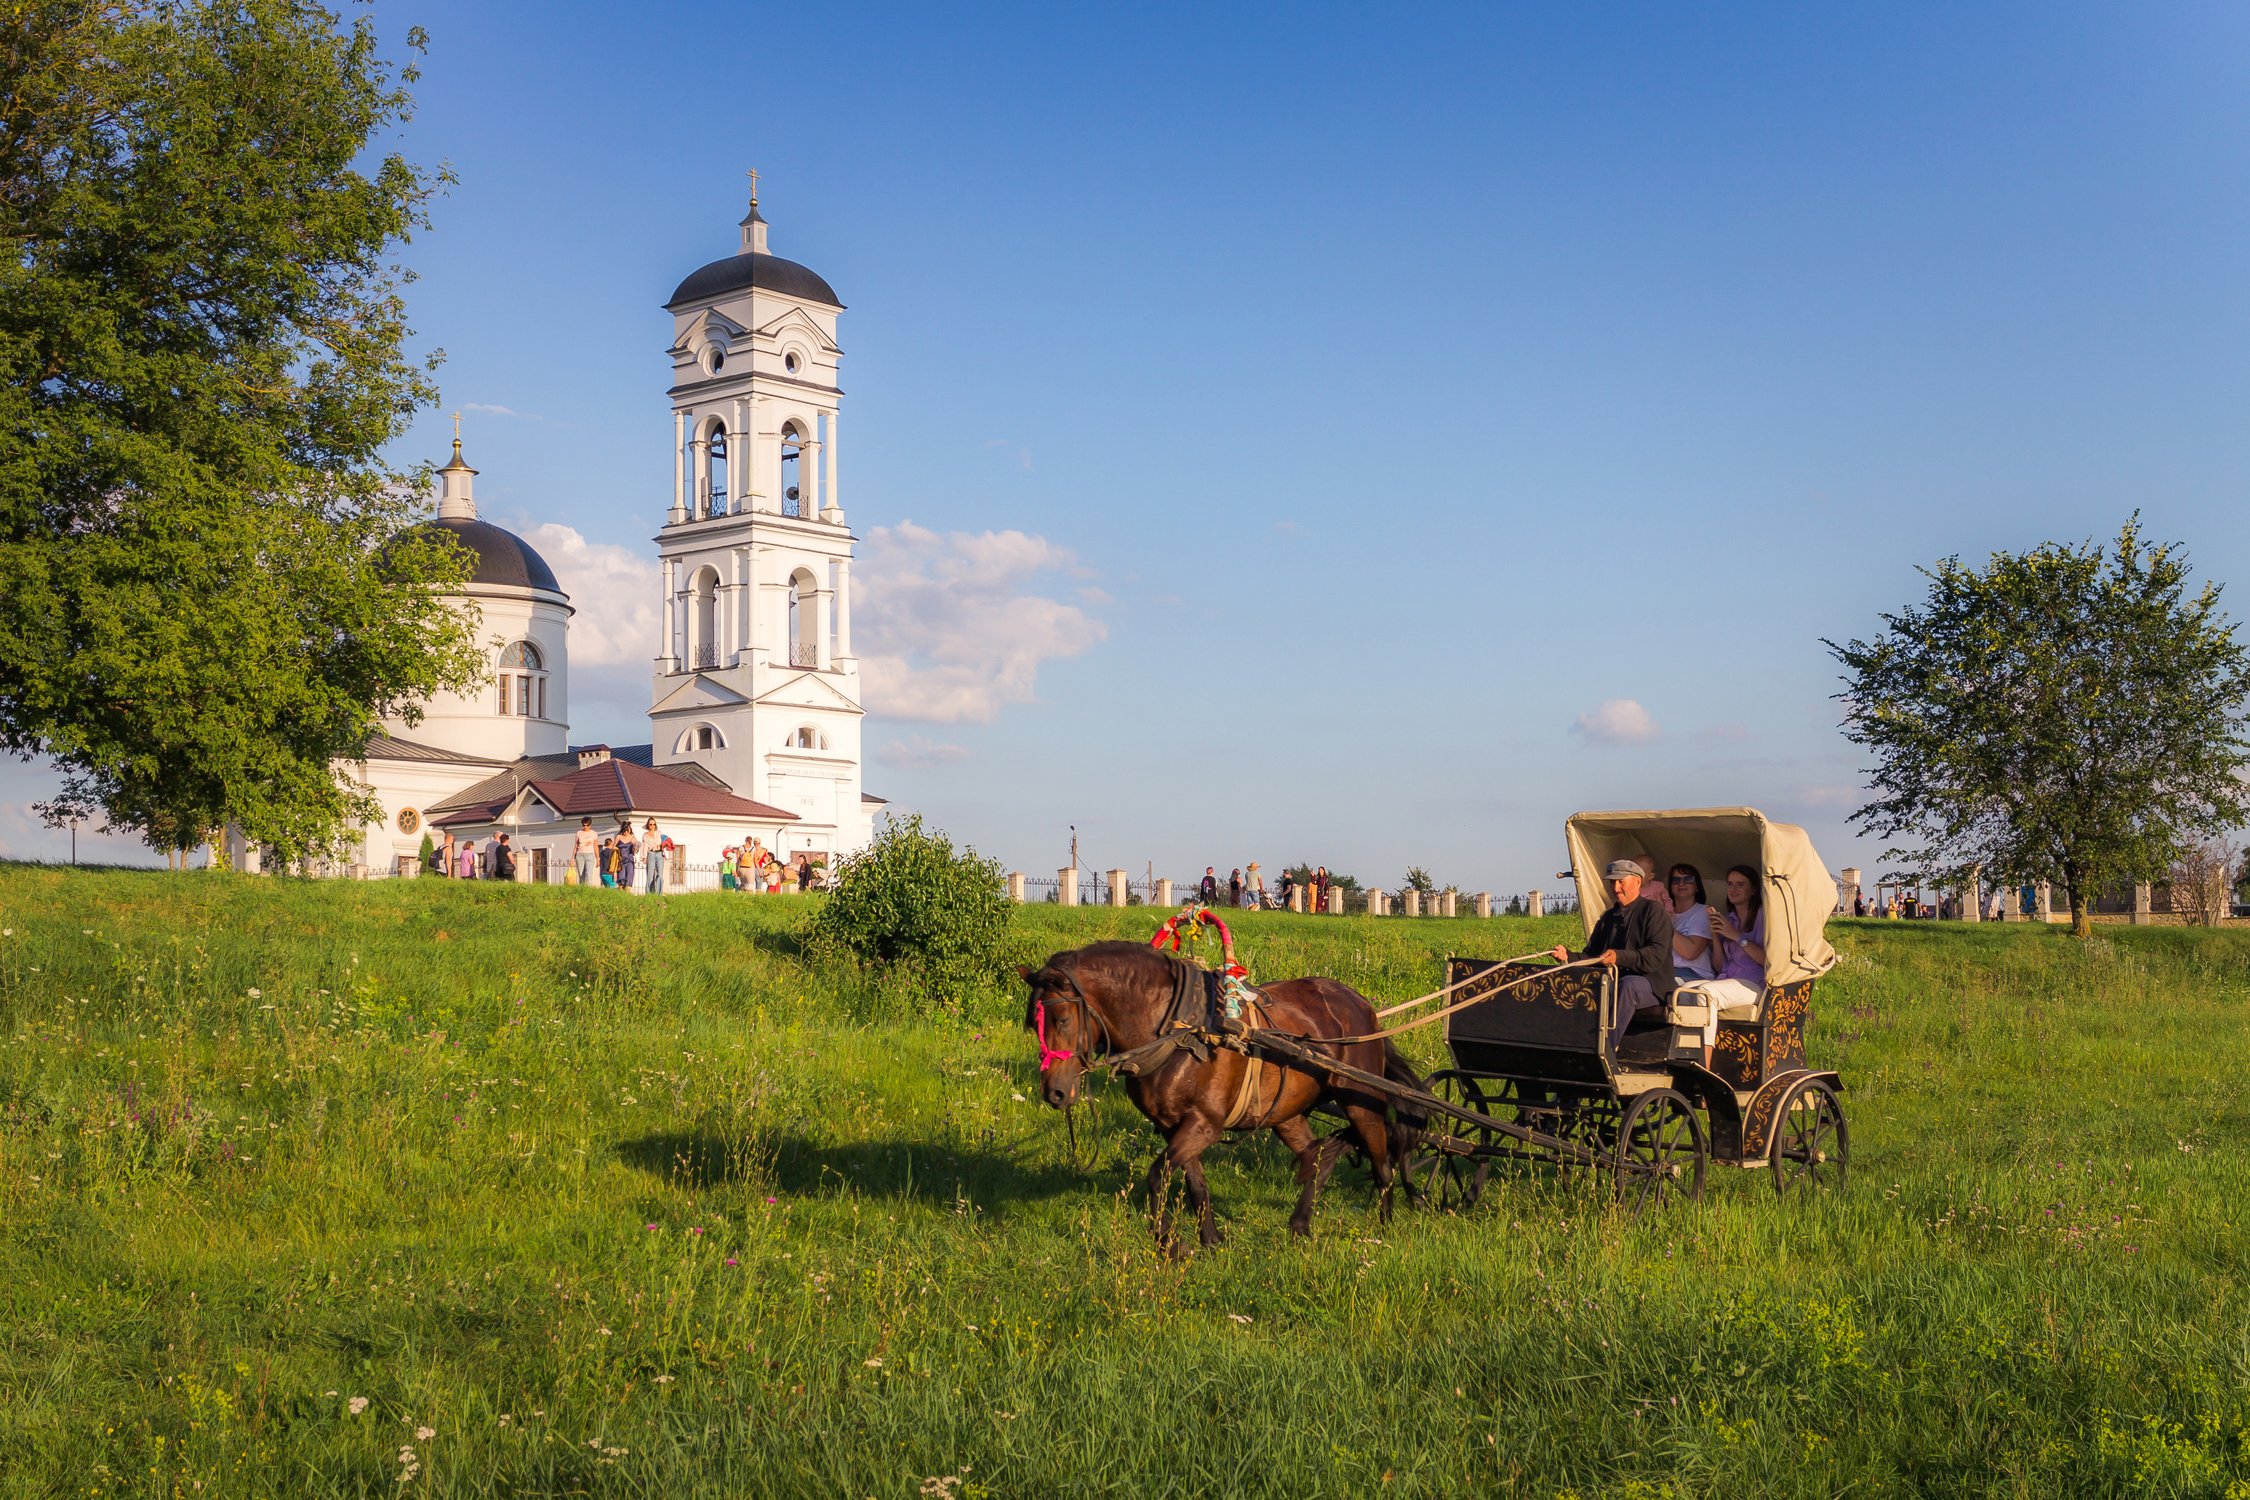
(755, 677)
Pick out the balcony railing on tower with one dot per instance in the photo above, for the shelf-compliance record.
(802, 654)
(706, 655)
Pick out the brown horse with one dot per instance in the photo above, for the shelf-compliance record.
(1109, 998)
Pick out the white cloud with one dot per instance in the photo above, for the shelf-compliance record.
(1617, 721)
(946, 624)
(916, 752)
(616, 591)
(501, 411)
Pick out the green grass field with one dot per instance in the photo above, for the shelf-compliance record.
(412, 1188)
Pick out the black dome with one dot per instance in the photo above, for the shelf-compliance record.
(503, 558)
(768, 273)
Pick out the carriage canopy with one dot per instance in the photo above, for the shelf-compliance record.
(1799, 892)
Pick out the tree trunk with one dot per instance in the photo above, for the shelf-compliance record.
(2081, 904)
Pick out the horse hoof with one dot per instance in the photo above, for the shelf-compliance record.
(1302, 1230)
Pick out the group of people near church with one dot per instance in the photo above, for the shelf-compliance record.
(622, 860)
(461, 859)
(1659, 936)
(751, 866)
(1244, 889)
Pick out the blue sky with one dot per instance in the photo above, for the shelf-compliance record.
(1378, 395)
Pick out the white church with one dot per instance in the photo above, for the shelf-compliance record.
(754, 712)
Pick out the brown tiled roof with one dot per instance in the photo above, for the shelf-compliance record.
(613, 786)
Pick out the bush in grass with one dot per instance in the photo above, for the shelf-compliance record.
(911, 902)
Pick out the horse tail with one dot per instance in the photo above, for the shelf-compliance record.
(1407, 1119)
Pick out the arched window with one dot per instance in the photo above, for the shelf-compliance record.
(704, 644)
(715, 489)
(523, 682)
(807, 738)
(699, 737)
(792, 470)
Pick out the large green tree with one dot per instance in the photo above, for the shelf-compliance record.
(207, 591)
(2072, 713)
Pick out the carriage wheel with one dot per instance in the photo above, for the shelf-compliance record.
(1589, 1120)
(1810, 1142)
(1450, 1180)
(1661, 1152)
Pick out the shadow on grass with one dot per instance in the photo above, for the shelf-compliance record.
(937, 1175)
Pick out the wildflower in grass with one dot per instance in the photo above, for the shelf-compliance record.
(651, 1228)
(257, 994)
(358, 1404)
(424, 1434)
(603, 1332)
(872, 1363)
(695, 1229)
(732, 1261)
(663, 1380)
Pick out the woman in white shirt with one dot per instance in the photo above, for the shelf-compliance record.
(1692, 953)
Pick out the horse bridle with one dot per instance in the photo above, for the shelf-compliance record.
(1088, 1023)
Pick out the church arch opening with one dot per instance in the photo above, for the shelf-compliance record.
(715, 472)
(807, 738)
(804, 619)
(703, 616)
(793, 495)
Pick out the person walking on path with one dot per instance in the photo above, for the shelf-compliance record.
(503, 860)
(1234, 887)
(586, 852)
(445, 855)
(654, 843)
(1207, 889)
(465, 860)
(627, 851)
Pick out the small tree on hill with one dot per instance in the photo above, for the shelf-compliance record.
(911, 901)
(2068, 714)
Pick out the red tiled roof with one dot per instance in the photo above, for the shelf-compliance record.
(613, 786)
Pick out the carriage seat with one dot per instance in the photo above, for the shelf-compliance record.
(1690, 1006)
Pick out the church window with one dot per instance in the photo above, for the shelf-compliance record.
(790, 362)
(699, 737)
(808, 738)
(523, 682)
(409, 821)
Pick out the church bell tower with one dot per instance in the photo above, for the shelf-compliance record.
(755, 679)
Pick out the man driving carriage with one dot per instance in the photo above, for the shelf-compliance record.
(1633, 937)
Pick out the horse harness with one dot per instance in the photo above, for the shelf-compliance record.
(1193, 1023)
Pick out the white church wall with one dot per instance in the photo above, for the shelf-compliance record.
(471, 723)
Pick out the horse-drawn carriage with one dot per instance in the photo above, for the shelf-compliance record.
(1540, 1071)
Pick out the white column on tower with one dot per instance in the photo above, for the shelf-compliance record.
(738, 461)
(843, 606)
(829, 492)
(699, 476)
(679, 466)
(670, 653)
(808, 475)
(823, 613)
(730, 608)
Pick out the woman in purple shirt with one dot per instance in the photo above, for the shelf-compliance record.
(1740, 932)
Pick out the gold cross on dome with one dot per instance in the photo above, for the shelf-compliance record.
(457, 427)
(753, 186)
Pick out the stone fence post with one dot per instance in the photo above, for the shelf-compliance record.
(1335, 901)
(1066, 887)
(1450, 904)
(1164, 893)
(1015, 886)
(1481, 903)
(1296, 897)
(1535, 904)
(1117, 887)
(2046, 901)
(2144, 904)
(1972, 896)
(1413, 902)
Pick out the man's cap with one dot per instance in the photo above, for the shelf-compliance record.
(1621, 869)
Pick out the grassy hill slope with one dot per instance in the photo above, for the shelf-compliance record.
(313, 1188)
